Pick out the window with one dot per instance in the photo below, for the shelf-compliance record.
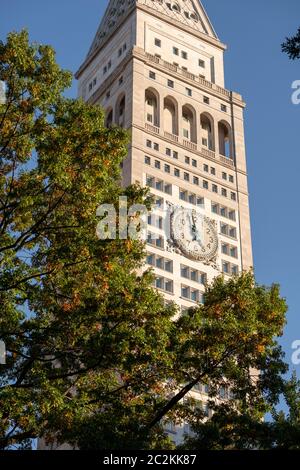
(215, 208)
(224, 192)
(231, 215)
(231, 179)
(212, 171)
(206, 99)
(95, 81)
(233, 252)
(186, 177)
(168, 152)
(224, 176)
(205, 184)
(175, 155)
(224, 249)
(121, 80)
(149, 143)
(167, 168)
(183, 195)
(90, 86)
(109, 65)
(224, 108)
(194, 163)
(185, 69)
(124, 47)
(188, 91)
(168, 189)
(214, 188)
(157, 42)
(225, 267)
(233, 196)
(232, 232)
(147, 160)
(170, 83)
(158, 184)
(152, 75)
(104, 69)
(149, 117)
(175, 50)
(184, 55)
(205, 168)
(186, 133)
(234, 270)
(223, 211)
(193, 274)
(157, 164)
(196, 180)
(201, 63)
(120, 52)
(177, 172)
(187, 160)
(156, 146)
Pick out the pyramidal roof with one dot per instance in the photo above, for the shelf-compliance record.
(189, 12)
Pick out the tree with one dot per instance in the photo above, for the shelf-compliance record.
(84, 331)
(223, 343)
(292, 46)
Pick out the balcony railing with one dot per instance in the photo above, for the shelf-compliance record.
(186, 73)
(208, 153)
(204, 152)
(151, 128)
(190, 145)
(170, 136)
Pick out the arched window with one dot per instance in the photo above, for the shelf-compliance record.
(170, 115)
(152, 107)
(207, 131)
(109, 118)
(120, 110)
(189, 123)
(225, 139)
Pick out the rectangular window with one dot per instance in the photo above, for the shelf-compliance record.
(90, 86)
(104, 69)
(177, 172)
(187, 160)
(147, 160)
(157, 164)
(156, 146)
(186, 177)
(149, 117)
(152, 75)
(188, 91)
(214, 188)
(120, 52)
(186, 133)
(215, 208)
(149, 143)
(223, 211)
(168, 189)
(213, 171)
(121, 80)
(205, 184)
(231, 215)
(232, 232)
(170, 83)
(231, 179)
(224, 249)
(175, 51)
(224, 108)
(168, 152)
(157, 42)
(225, 267)
(200, 201)
(233, 252)
(167, 168)
(224, 176)
(175, 155)
(234, 270)
(233, 196)
(196, 180)
(205, 99)
(194, 163)
(124, 46)
(185, 292)
(201, 63)
(224, 192)
(182, 195)
(184, 55)
(205, 168)
(109, 65)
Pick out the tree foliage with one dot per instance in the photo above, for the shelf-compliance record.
(292, 46)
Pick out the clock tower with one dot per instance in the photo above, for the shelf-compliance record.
(156, 67)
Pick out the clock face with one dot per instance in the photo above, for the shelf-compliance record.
(194, 234)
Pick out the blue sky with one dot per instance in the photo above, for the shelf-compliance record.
(255, 67)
